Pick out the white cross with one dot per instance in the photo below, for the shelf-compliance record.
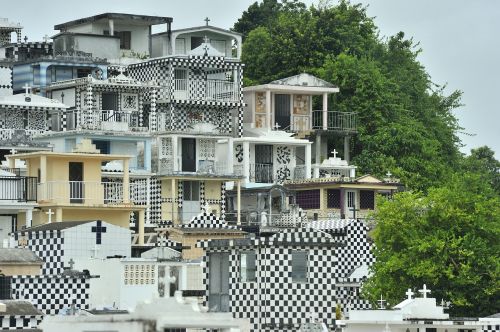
(121, 70)
(13, 151)
(381, 302)
(162, 240)
(26, 88)
(424, 291)
(50, 213)
(206, 39)
(409, 293)
(276, 126)
(334, 152)
(389, 174)
(45, 38)
(206, 20)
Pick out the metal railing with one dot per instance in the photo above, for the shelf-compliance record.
(209, 90)
(166, 166)
(299, 172)
(81, 192)
(274, 220)
(18, 188)
(106, 120)
(340, 121)
(261, 173)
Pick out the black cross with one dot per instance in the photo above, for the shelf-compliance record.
(98, 230)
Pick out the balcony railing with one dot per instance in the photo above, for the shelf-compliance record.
(261, 173)
(337, 121)
(18, 188)
(211, 167)
(81, 192)
(207, 90)
(107, 120)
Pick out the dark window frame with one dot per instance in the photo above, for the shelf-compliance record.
(333, 200)
(308, 199)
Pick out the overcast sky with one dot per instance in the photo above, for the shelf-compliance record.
(459, 38)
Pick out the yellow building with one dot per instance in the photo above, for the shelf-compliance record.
(340, 197)
(70, 188)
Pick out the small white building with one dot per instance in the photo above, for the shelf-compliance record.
(166, 314)
(414, 315)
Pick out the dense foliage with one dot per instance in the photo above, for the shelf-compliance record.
(445, 230)
(447, 239)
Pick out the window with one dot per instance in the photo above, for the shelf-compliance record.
(247, 266)
(102, 146)
(191, 190)
(299, 266)
(83, 72)
(196, 41)
(308, 199)
(125, 38)
(110, 101)
(366, 199)
(333, 198)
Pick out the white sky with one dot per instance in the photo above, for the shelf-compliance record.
(459, 38)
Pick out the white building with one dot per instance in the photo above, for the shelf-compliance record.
(414, 315)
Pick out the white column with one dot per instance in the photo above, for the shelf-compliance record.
(126, 183)
(175, 148)
(307, 158)
(325, 111)
(140, 228)
(246, 161)
(229, 156)
(238, 202)
(29, 218)
(318, 149)
(268, 109)
(111, 24)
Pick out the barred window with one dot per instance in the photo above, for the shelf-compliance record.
(333, 198)
(366, 199)
(308, 199)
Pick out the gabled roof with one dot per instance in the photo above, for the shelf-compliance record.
(138, 19)
(201, 28)
(301, 83)
(54, 226)
(19, 256)
(304, 79)
(23, 100)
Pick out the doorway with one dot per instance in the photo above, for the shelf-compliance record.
(191, 206)
(76, 188)
(350, 204)
(6, 227)
(189, 155)
(282, 111)
(263, 168)
(218, 294)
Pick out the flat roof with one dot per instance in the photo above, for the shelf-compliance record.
(37, 154)
(146, 19)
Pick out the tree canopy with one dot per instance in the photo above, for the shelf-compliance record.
(448, 239)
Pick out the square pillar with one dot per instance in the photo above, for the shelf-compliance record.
(29, 218)
(43, 169)
(174, 195)
(140, 228)
(238, 202)
(246, 161)
(230, 149)
(325, 111)
(59, 214)
(269, 119)
(318, 148)
(147, 155)
(307, 158)
(126, 182)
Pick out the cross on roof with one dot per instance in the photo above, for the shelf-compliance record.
(409, 293)
(71, 263)
(424, 291)
(334, 152)
(98, 229)
(206, 20)
(276, 126)
(50, 213)
(121, 70)
(381, 302)
(206, 40)
(46, 38)
(25, 39)
(389, 174)
(26, 88)
(13, 151)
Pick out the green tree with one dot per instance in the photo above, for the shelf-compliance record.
(482, 160)
(447, 240)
